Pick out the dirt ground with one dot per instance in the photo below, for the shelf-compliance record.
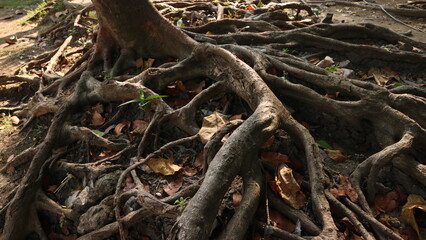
(13, 56)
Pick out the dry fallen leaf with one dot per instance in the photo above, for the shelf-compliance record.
(212, 124)
(383, 75)
(236, 199)
(174, 186)
(119, 127)
(336, 155)
(189, 171)
(274, 158)
(97, 119)
(281, 222)
(163, 166)
(199, 161)
(148, 63)
(194, 87)
(139, 63)
(15, 120)
(344, 189)
(386, 203)
(413, 212)
(288, 188)
(269, 142)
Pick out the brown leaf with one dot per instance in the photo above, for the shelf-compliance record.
(383, 75)
(189, 171)
(274, 158)
(139, 63)
(108, 129)
(148, 63)
(119, 127)
(10, 42)
(174, 186)
(194, 87)
(269, 142)
(236, 199)
(336, 155)
(138, 123)
(281, 222)
(163, 166)
(236, 117)
(345, 189)
(58, 14)
(97, 119)
(10, 170)
(386, 203)
(414, 212)
(99, 107)
(199, 161)
(181, 86)
(211, 124)
(289, 189)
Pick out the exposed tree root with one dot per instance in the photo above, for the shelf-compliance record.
(248, 62)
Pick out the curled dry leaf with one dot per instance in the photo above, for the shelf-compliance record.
(119, 127)
(97, 118)
(287, 187)
(163, 166)
(274, 158)
(336, 155)
(174, 186)
(212, 124)
(413, 212)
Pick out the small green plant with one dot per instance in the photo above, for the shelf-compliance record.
(182, 203)
(285, 50)
(331, 68)
(72, 32)
(179, 21)
(92, 14)
(142, 100)
(5, 120)
(260, 4)
(36, 13)
(398, 84)
(324, 144)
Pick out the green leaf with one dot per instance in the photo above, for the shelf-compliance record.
(99, 133)
(323, 144)
(155, 96)
(398, 85)
(285, 50)
(131, 101)
(143, 104)
(141, 94)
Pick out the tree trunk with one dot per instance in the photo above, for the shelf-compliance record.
(136, 25)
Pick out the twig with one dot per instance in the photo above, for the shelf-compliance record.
(55, 59)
